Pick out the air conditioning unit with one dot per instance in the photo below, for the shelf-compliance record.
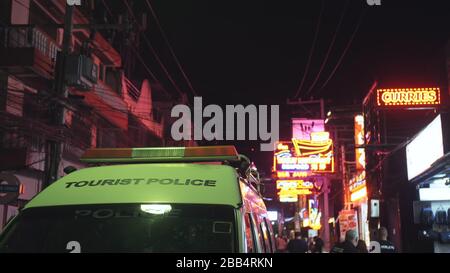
(81, 72)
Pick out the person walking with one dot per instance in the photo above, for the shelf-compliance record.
(281, 244)
(362, 247)
(318, 245)
(349, 244)
(385, 245)
(297, 245)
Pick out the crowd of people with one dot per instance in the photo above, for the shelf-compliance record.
(352, 244)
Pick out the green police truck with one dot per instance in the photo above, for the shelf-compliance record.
(180, 199)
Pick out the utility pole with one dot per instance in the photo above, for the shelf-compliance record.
(326, 213)
(54, 150)
(344, 174)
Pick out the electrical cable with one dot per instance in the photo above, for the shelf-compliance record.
(311, 52)
(345, 50)
(170, 48)
(330, 47)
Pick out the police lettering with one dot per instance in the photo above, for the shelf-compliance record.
(142, 181)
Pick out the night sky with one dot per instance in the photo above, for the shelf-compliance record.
(255, 52)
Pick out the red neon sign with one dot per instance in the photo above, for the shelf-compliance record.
(410, 97)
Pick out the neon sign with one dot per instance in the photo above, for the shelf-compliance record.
(287, 174)
(361, 193)
(288, 198)
(294, 184)
(290, 192)
(289, 188)
(411, 97)
(360, 154)
(302, 156)
(358, 187)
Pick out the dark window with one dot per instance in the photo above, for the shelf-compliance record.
(101, 72)
(81, 131)
(122, 228)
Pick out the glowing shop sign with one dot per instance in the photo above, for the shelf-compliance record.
(302, 156)
(358, 182)
(361, 193)
(360, 154)
(415, 97)
(286, 174)
(289, 188)
(294, 184)
(290, 192)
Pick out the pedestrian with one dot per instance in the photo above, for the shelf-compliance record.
(281, 244)
(318, 245)
(297, 245)
(362, 247)
(385, 245)
(349, 245)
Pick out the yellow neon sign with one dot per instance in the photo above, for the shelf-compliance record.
(409, 97)
(282, 146)
(299, 158)
(360, 153)
(359, 194)
(294, 184)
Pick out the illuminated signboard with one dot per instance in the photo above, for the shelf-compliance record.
(360, 154)
(357, 187)
(408, 97)
(357, 182)
(273, 215)
(303, 128)
(425, 148)
(298, 157)
(284, 174)
(290, 188)
(361, 193)
(288, 198)
(294, 184)
(314, 214)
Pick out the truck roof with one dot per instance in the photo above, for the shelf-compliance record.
(144, 183)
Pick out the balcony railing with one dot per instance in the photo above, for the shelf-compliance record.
(29, 37)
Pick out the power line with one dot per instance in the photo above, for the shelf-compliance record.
(329, 49)
(170, 48)
(345, 50)
(311, 52)
(152, 49)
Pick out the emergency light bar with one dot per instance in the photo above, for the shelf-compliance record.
(161, 154)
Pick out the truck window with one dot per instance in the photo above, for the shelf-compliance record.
(122, 228)
(257, 235)
(270, 232)
(249, 234)
(265, 237)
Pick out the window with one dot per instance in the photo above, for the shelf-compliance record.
(249, 234)
(265, 237)
(268, 235)
(101, 72)
(257, 237)
(129, 228)
(270, 230)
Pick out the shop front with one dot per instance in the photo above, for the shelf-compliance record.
(359, 203)
(428, 165)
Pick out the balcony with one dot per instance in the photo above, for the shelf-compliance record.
(28, 53)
